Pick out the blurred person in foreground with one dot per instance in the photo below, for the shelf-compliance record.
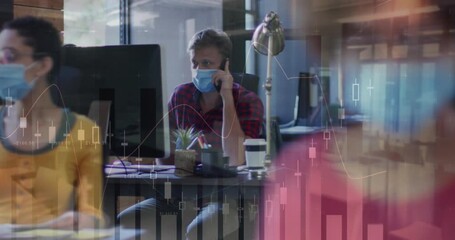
(389, 192)
(50, 177)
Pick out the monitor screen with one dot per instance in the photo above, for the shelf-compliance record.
(127, 76)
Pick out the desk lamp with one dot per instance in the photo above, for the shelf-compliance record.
(268, 39)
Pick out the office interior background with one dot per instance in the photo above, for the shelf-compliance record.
(386, 63)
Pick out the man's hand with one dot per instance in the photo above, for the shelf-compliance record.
(225, 79)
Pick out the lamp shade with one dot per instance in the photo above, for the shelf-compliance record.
(270, 27)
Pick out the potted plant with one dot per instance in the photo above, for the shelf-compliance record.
(184, 156)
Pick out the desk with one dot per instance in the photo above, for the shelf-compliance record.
(295, 132)
(247, 193)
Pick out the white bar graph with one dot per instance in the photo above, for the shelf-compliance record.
(283, 196)
(95, 135)
(168, 226)
(375, 232)
(23, 122)
(167, 190)
(355, 92)
(313, 218)
(80, 135)
(271, 229)
(52, 134)
(354, 220)
(334, 228)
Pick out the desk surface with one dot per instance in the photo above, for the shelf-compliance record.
(37, 233)
(300, 130)
(241, 189)
(166, 173)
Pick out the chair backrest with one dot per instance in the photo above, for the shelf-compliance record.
(303, 106)
(276, 139)
(248, 81)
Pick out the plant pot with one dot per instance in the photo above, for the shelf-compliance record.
(184, 161)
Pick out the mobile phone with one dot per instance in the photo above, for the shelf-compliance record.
(218, 82)
(223, 63)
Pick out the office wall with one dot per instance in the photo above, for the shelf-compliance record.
(91, 22)
(168, 23)
(285, 66)
(172, 24)
(298, 20)
(47, 9)
(6, 11)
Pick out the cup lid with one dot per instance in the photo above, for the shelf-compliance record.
(254, 141)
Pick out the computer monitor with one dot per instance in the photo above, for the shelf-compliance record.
(129, 76)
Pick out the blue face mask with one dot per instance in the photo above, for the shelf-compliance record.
(13, 83)
(203, 80)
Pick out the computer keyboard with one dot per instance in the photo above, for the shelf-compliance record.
(119, 169)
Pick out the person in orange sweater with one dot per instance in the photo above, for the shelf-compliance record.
(50, 168)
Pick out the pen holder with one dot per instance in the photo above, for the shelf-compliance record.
(212, 160)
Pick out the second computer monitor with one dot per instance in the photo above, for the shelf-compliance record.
(129, 77)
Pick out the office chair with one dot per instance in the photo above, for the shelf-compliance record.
(277, 140)
(308, 118)
(249, 81)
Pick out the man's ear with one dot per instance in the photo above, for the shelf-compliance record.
(45, 66)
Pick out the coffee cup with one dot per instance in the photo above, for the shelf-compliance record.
(255, 153)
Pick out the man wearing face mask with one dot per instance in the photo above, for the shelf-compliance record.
(49, 177)
(224, 111)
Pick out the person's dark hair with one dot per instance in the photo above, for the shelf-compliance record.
(211, 38)
(42, 36)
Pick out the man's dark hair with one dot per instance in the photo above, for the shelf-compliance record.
(211, 38)
(42, 36)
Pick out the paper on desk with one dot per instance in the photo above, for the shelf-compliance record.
(115, 169)
(40, 234)
(242, 168)
(118, 170)
(6, 232)
(5, 229)
(93, 234)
